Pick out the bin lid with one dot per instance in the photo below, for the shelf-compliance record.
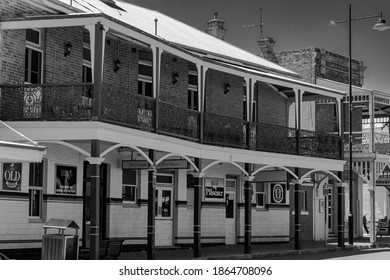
(61, 224)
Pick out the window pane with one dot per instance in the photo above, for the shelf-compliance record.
(193, 80)
(229, 213)
(260, 199)
(87, 74)
(195, 105)
(32, 36)
(148, 89)
(33, 64)
(129, 193)
(164, 179)
(86, 54)
(129, 177)
(145, 70)
(231, 184)
(166, 203)
(260, 187)
(36, 174)
(140, 87)
(35, 203)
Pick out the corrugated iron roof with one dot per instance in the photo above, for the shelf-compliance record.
(176, 32)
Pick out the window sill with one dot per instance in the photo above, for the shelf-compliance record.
(128, 204)
(33, 220)
(303, 213)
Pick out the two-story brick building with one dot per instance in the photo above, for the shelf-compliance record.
(156, 133)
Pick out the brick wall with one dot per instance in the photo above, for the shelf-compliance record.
(271, 106)
(216, 101)
(169, 92)
(58, 68)
(326, 118)
(12, 42)
(300, 61)
(313, 63)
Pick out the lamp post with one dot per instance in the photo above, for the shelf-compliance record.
(380, 26)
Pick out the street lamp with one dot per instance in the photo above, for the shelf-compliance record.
(380, 26)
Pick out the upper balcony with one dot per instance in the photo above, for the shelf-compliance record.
(361, 143)
(72, 102)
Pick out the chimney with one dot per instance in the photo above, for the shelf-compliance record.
(215, 27)
(266, 45)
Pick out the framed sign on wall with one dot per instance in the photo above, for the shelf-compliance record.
(66, 179)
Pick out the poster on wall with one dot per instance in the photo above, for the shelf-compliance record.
(214, 189)
(278, 193)
(12, 177)
(66, 179)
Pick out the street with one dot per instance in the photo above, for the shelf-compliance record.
(368, 254)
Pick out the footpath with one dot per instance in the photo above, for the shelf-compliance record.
(259, 251)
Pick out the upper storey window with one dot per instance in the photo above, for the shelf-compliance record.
(193, 90)
(145, 78)
(33, 62)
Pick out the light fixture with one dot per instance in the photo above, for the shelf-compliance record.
(117, 65)
(175, 78)
(381, 24)
(227, 88)
(67, 48)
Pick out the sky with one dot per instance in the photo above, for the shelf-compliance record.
(295, 24)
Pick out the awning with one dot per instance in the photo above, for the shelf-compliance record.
(17, 152)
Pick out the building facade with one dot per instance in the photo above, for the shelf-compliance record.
(156, 133)
(370, 130)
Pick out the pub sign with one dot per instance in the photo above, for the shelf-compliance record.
(214, 189)
(12, 176)
(278, 193)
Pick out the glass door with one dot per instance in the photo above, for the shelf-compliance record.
(164, 216)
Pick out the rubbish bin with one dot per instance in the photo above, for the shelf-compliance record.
(60, 246)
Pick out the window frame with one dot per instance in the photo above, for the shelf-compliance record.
(264, 193)
(30, 48)
(172, 183)
(135, 187)
(36, 186)
(144, 79)
(193, 93)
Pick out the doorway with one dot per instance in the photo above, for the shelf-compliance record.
(87, 203)
(164, 216)
(230, 215)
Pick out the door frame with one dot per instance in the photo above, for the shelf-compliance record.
(234, 193)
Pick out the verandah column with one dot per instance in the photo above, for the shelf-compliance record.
(340, 214)
(151, 247)
(297, 213)
(197, 210)
(95, 162)
(248, 191)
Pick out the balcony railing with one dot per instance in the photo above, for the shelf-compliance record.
(74, 103)
(361, 143)
(132, 110)
(46, 102)
(224, 131)
(178, 121)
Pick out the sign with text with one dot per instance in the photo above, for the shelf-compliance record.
(166, 164)
(214, 189)
(12, 177)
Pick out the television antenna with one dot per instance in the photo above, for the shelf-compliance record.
(260, 24)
